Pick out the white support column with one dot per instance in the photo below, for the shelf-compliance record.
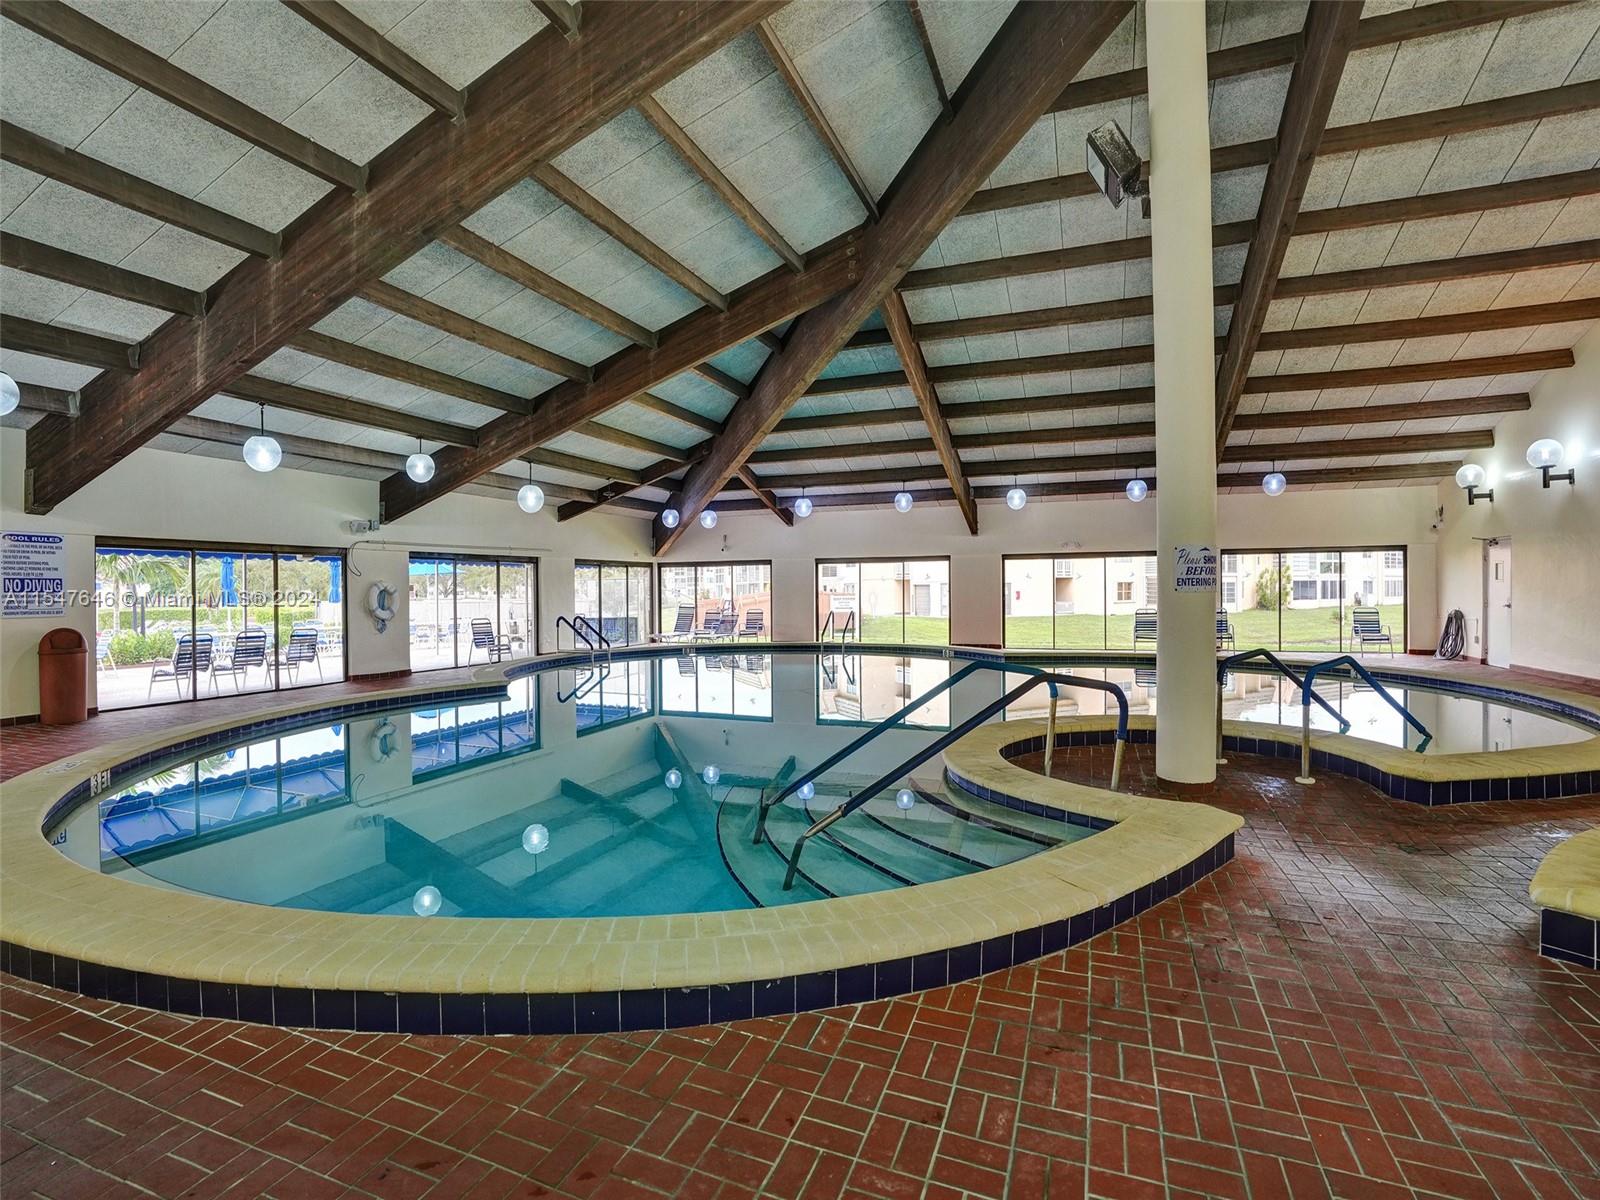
(1185, 379)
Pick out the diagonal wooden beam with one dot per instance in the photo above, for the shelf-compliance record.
(898, 322)
(316, 403)
(932, 59)
(447, 320)
(567, 17)
(768, 500)
(1329, 33)
(684, 416)
(51, 262)
(621, 437)
(68, 345)
(678, 138)
(819, 119)
(1035, 53)
(613, 492)
(374, 362)
(736, 388)
(109, 50)
(576, 463)
(520, 270)
(378, 52)
(40, 155)
(598, 215)
(541, 98)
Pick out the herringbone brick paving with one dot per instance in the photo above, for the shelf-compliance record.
(1352, 1008)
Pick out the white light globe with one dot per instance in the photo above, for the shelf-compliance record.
(806, 790)
(10, 394)
(535, 839)
(905, 799)
(262, 453)
(902, 502)
(670, 517)
(427, 901)
(420, 467)
(674, 779)
(1016, 498)
(530, 497)
(1546, 452)
(1470, 475)
(711, 774)
(708, 519)
(1137, 490)
(1274, 483)
(803, 507)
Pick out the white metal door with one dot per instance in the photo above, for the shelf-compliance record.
(1497, 621)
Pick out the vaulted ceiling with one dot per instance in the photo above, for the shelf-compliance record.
(829, 246)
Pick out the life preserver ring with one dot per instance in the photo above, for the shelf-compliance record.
(385, 741)
(380, 603)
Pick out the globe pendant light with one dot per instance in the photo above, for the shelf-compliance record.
(262, 452)
(419, 466)
(1137, 490)
(1016, 498)
(10, 395)
(902, 502)
(1273, 483)
(803, 506)
(708, 519)
(670, 518)
(530, 496)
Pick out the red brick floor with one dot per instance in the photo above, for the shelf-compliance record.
(1351, 1008)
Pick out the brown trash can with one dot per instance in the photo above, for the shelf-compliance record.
(63, 683)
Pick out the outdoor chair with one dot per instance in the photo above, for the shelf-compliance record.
(191, 658)
(249, 650)
(485, 639)
(1144, 626)
(714, 624)
(1367, 628)
(1224, 630)
(102, 651)
(755, 624)
(683, 627)
(302, 649)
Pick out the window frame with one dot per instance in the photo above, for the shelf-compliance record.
(647, 634)
(483, 558)
(816, 582)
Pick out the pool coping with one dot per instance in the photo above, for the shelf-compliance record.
(64, 924)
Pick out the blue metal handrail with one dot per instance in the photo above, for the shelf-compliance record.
(1283, 669)
(580, 690)
(1344, 660)
(577, 634)
(960, 731)
(604, 641)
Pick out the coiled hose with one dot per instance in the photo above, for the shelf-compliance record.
(1454, 637)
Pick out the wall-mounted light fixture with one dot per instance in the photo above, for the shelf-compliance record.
(1115, 166)
(1468, 478)
(1546, 454)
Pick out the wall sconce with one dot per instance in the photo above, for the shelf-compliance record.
(1468, 478)
(1546, 454)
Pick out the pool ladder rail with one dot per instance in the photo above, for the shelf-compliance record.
(583, 630)
(1052, 680)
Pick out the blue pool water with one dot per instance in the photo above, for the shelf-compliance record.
(629, 788)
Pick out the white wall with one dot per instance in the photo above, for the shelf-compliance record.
(1555, 534)
(157, 494)
(1378, 516)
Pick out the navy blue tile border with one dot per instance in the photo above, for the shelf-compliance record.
(1569, 937)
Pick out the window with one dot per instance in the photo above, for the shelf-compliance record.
(186, 623)
(716, 600)
(462, 606)
(1124, 589)
(1394, 560)
(717, 684)
(885, 600)
(1394, 589)
(1230, 593)
(615, 597)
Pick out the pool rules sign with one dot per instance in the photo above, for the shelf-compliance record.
(33, 575)
(1195, 568)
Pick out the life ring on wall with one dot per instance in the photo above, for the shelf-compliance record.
(380, 603)
(385, 741)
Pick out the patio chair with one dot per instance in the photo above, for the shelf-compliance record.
(191, 658)
(1224, 630)
(1144, 626)
(713, 625)
(102, 651)
(1367, 628)
(249, 650)
(484, 638)
(755, 624)
(302, 649)
(683, 627)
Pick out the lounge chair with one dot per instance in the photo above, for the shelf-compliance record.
(683, 627)
(191, 658)
(249, 650)
(718, 623)
(484, 638)
(755, 624)
(102, 651)
(1367, 628)
(302, 648)
(1224, 630)
(1144, 626)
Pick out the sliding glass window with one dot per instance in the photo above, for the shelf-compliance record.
(716, 600)
(463, 609)
(1312, 600)
(185, 623)
(884, 600)
(615, 597)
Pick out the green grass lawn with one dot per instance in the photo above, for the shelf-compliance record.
(1303, 629)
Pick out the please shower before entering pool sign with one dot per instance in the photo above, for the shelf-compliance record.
(1196, 568)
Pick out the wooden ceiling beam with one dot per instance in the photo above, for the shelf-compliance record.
(26, 149)
(374, 362)
(631, 441)
(567, 17)
(109, 50)
(1064, 435)
(536, 102)
(560, 460)
(684, 416)
(293, 398)
(447, 320)
(932, 59)
(716, 376)
(68, 345)
(378, 52)
(819, 119)
(615, 492)
(608, 222)
(1539, 189)
(51, 262)
(1516, 317)
(1424, 372)
(898, 322)
(1329, 34)
(768, 500)
(1377, 414)
(520, 271)
(678, 138)
(1468, 266)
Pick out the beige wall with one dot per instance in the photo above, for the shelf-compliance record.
(155, 494)
(1555, 534)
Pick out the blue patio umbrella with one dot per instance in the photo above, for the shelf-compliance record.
(335, 589)
(230, 590)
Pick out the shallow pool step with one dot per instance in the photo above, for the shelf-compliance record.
(826, 863)
(1000, 814)
(907, 857)
(758, 868)
(947, 830)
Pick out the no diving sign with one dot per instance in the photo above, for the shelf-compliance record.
(1196, 568)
